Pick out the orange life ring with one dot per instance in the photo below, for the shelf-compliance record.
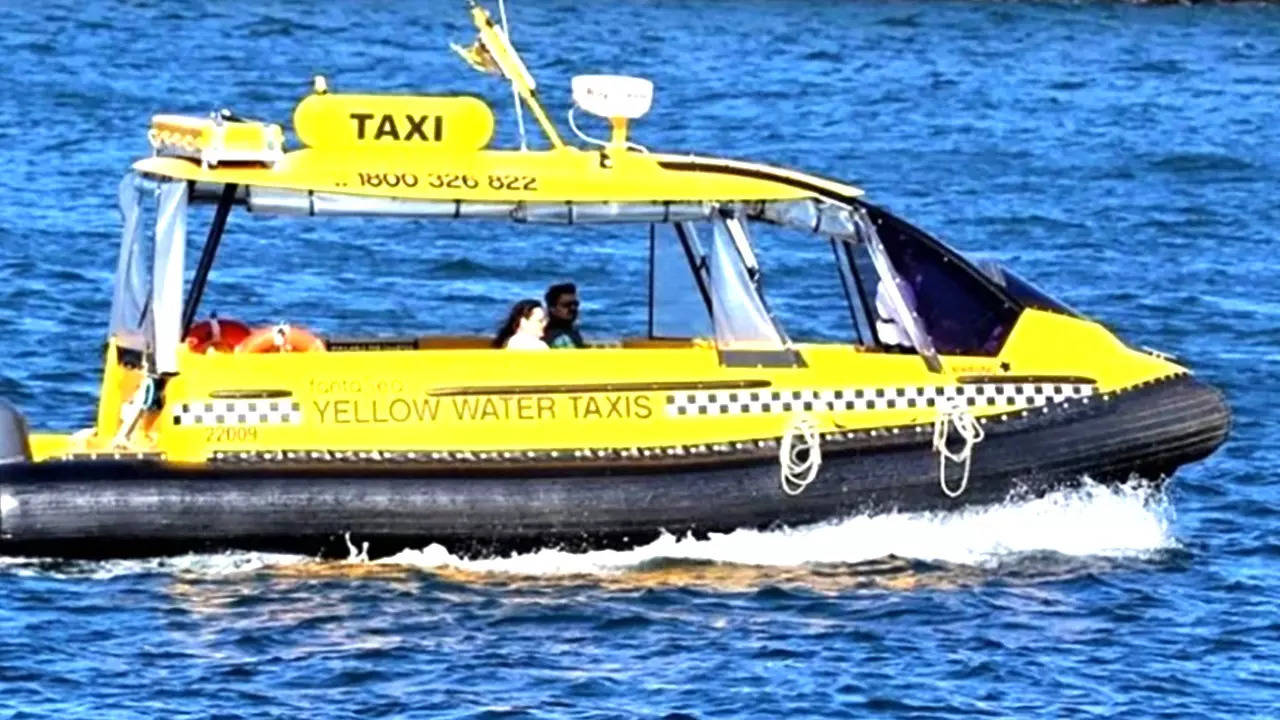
(216, 334)
(280, 338)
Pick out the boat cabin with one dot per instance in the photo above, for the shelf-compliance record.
(715, 365)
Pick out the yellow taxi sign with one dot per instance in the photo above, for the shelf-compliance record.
(455, 123)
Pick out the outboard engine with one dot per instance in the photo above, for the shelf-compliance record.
(14, 443)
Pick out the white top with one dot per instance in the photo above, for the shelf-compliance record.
(611, 96)
(524, 342)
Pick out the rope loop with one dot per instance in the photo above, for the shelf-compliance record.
(144, 398)
(970, 432)
(799, 455)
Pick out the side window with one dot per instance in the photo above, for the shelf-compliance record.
(677, 303)
(809, 285)
(857, 277)
(961, 311)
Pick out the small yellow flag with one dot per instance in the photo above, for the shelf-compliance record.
(477, 57)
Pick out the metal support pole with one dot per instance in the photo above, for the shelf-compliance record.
(206, 256)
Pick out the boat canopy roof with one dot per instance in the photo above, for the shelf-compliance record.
(506, 177)
(437, 148)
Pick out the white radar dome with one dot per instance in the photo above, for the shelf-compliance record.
(613, 96)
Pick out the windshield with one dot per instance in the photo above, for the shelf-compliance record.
(1023, 290)
(960, 309)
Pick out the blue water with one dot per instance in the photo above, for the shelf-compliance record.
(1124, 157)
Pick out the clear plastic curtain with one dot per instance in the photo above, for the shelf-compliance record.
(819, 218)
(133, 280)
(166, 291)
(737, 311)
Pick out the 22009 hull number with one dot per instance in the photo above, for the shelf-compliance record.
(230, 434)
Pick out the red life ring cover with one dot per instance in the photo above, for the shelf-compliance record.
(216, 334)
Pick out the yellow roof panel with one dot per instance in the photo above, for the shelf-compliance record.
(566, 174)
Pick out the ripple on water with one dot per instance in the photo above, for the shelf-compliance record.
(1141, 189)
(1201, 163)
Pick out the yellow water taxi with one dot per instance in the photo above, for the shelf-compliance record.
(963, 384)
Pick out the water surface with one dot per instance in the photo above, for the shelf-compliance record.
(1123, 157)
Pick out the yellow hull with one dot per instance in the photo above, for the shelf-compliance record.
(452, 395)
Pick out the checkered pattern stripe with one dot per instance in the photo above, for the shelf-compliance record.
(1002, 396)
(239, 412)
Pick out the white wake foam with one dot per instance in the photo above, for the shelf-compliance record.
(1092, 521)
(204, 565)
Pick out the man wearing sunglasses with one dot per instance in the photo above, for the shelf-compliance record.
(562, 317)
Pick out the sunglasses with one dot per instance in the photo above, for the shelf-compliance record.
(571, 304)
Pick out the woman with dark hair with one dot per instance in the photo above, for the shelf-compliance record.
(523, 327)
